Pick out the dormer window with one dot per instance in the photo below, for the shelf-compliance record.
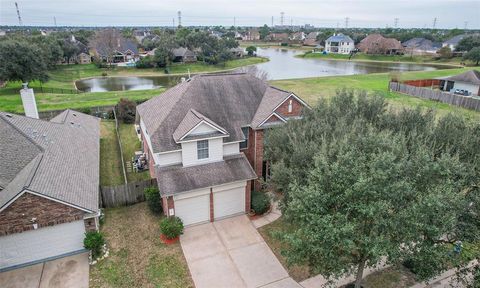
(202, 149)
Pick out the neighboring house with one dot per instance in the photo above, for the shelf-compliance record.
(297, 36)
(468, 82)
(453, 42)
(83, 56)
(204, 138)
(184, 55)
(377, 44)
(283, 37)
(421, 46)
(251, 35)
(125, 50)
(238, 52)
(140, 35)
(49, 186)
(311, 39)
(216, 34)
(339, 43)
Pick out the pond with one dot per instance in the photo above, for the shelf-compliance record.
(282, 65)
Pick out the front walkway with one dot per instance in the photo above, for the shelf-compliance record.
(231, 253)
(71, 272)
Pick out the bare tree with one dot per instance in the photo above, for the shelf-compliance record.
(106, 42)
(254, 71)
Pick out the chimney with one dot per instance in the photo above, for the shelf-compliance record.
(28, 100)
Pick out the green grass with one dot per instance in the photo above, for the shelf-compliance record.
(64, 77)
(313, 89)
(110, 163)
(130, 144)
(138, 258)
(385, 58)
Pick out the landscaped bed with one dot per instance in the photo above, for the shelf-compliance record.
(138, 258)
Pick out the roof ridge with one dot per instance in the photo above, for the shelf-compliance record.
(22, 133)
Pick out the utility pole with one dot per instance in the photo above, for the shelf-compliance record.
(18, 14)
(179, 13)
(395, 23)
(347, 19)
(282, 15)
(434, 22)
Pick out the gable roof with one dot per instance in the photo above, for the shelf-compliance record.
(123, 45)
(472, 76)
(192, 120)
(339, 38)
(454, 40)
(66, 163)
(231, 100)
(182, 52)
(421, 43)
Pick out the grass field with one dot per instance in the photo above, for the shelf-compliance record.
(64, 77)
(137, 256)
(313, 89)
(110, 163)
(385, 58)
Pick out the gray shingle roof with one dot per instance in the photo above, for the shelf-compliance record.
(454, 40)
(177, 179)
(472, 76)
(123, 46)
(192, 119)
(232, 100)
(68, 169)
(338, 38)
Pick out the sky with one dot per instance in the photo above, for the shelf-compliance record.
(320, 13)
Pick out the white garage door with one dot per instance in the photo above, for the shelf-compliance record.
(35, 245)
(193, 208)
(229, 200)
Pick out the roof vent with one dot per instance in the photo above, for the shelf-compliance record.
(71, 122)
(9, 115)
(74, 114)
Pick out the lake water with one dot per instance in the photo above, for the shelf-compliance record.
(282, 65)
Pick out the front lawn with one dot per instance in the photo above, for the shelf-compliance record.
(313, 89)
(138, 258)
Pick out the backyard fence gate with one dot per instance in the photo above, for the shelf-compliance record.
(126, 194)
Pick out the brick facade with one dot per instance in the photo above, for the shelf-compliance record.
(17, 217)
(167, 203)
(90, 224)
(297, 108)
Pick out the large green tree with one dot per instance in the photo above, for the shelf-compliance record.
(473, 55)
(468, 43)
(22, 61)
(363, 183)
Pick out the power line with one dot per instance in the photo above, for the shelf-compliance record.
(434, 22)
(234, 22)
(465, 25)
(347, 19)
(179, 13)
(18, 14)
(282, 15)
(396, 23)
(54, 21)
(272, 21)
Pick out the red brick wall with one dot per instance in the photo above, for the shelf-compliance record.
(250, 150)
(297, 108)
(258, 157)
(16, 217)
(248, 195)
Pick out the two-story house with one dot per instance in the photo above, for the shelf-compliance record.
(339, 43)
(204, 142)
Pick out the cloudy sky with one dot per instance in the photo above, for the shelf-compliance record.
(321, 13)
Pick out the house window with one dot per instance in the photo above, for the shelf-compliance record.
(290, 107)
(202, 149)
(244, 144)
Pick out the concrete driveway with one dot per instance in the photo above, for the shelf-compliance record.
(231, 253)
(71, 271)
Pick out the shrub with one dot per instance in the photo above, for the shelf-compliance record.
(94, 241)
(85, 110)
(260, 202)
(171, 227)
(104, 74)
(126, 110)
(145, 62)
(152, 196)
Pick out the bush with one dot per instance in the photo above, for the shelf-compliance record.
(260, 202)
(171, 227)
(152, 196)
(94, 241)
(145, 62)
(126, 110)
(85, 110)
(104, 74)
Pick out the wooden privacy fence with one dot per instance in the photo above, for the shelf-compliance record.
(445, 97)
(123, 195)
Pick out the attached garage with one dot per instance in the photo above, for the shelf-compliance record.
(194, 207)
(45, 243)
(229, 200)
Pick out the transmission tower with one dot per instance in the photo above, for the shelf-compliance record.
(282, 16)
(347, 19)
(465, 25)
(395, 23)
(179, 13)
(272, 21)
(173, 23)
(434, 22)
(55, 21)
(234, 22)
(18, 14)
